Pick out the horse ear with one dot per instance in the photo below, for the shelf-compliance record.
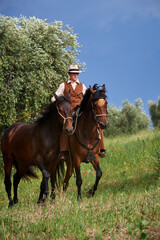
(91, 89)
(104, 88)
(68, 95)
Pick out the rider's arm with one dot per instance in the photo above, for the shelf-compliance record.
(59, 92)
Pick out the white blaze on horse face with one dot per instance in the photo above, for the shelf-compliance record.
(101, 102)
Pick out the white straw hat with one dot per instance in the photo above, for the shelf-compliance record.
(73, 69)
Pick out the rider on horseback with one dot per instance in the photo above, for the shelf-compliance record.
(77, 90)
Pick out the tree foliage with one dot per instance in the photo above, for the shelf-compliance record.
(34, 59)
(130, 119)
(154, 109)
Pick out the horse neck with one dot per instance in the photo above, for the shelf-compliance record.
(54, 122)
(51, 124)
(87, 121)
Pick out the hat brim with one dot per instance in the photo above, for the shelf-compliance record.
(74, 71)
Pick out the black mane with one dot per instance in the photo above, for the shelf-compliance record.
(98, 94)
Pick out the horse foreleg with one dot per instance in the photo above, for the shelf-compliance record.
(40, 200)
(98, 176)
(78, 183)
(44, 187)
(44, 184)
(53, 194)
(46, 176)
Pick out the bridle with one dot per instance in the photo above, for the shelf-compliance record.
(90, 156)
(96, 116)
(64, 118)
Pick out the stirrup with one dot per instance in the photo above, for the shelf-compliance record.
(61, 155)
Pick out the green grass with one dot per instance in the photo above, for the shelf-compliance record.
(126, 204)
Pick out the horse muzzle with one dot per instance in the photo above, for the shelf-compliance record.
(69, 131)
(103, 125)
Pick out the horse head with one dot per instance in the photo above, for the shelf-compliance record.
(64, 110)
(99, 105)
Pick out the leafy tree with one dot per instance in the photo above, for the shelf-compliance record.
(34, 59)
(154, 109)
(130, 119)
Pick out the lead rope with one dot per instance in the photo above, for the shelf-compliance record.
(64, 119)
(70, 155)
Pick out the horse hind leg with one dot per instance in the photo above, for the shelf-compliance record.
(53, 194)
(7, 179)
(16, 180)
(67, 178)
(40, 200)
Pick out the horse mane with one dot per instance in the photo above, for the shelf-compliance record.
(85, 100)
(49, 110)
(98, 94)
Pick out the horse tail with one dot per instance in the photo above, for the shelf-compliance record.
(60, 172)
(30, 174)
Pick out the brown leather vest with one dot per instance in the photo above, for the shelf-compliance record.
(76, 94)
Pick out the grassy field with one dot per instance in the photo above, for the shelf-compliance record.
(125, 206)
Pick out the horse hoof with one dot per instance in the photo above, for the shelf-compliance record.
(11, 203)
(40, 201)
(65, 186)
(15, 201)
(90, 193)
(79, 199)
(53, 196)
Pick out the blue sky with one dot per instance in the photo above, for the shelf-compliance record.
(120, 41)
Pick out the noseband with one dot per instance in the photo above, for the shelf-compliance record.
(64, 118)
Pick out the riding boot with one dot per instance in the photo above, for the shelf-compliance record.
(61, 155)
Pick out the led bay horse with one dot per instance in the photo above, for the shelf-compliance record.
(84, 144)
(25, 145)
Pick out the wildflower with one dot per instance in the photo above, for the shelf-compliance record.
(94, 171)
(107, 175)
(85, 171)
(141, 168)
(114, 148)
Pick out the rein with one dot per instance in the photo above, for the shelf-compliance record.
(91, 155)
(86, 147)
